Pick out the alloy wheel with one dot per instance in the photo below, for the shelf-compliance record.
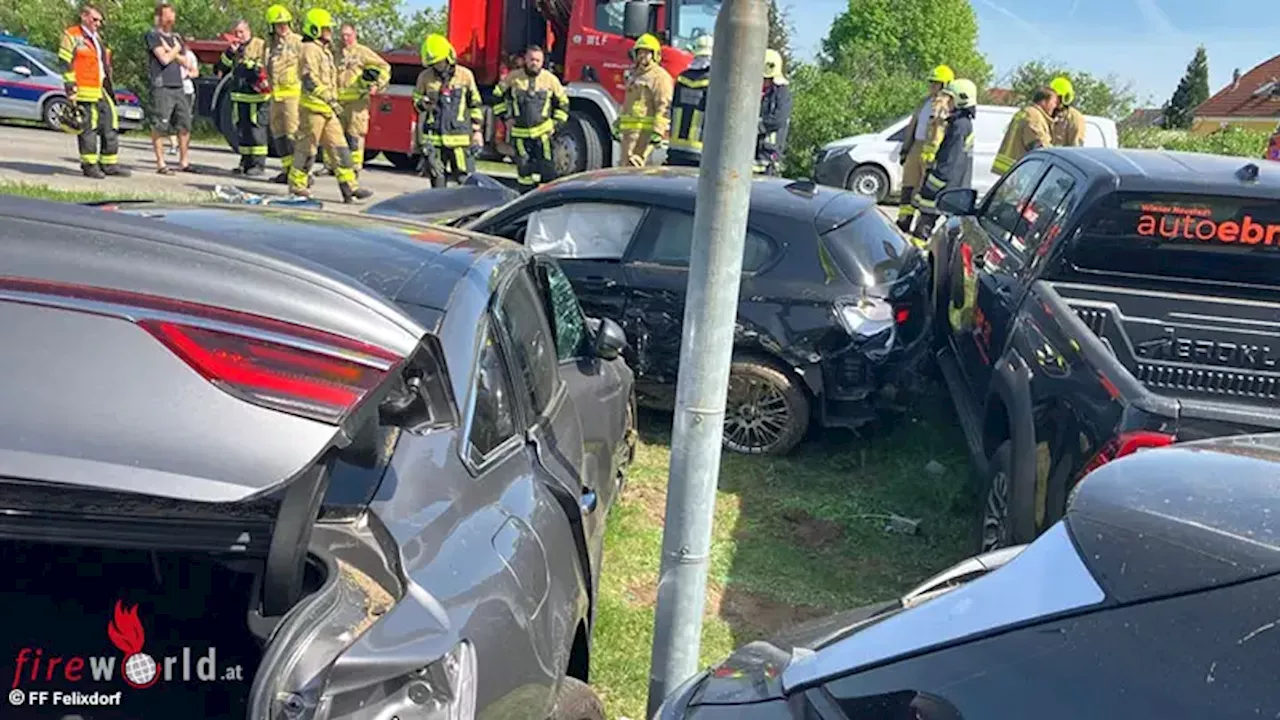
(757, 415)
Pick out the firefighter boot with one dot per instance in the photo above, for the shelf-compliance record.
(92, 171)
(354, 194)
(116, 171)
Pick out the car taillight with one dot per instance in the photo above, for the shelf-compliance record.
(902, 314)
(273, 363)
(1127, 443)
(286, 378)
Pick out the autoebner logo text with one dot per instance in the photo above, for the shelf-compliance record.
(1174, 222)
(38, 673)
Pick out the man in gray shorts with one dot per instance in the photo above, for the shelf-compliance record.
(170, 113)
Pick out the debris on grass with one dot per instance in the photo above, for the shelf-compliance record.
(935, 468)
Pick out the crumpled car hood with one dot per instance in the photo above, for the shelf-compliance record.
(477, 194)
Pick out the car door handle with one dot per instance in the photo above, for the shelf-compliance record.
(589, 501)
(599, 283)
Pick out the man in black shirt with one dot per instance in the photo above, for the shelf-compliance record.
(170, 113)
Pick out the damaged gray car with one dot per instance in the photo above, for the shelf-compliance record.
(280, 465)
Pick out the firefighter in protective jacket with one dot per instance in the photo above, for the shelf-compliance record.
(449, 100)
(646, 109)
(534, 102)
(319, 121)
(689, 106)
(283, 56)
(1030, 129)
(87, 82)
(1068, 122)
(953, 166)
(245, 60)
(361, 71)
(775, 115)
(920, 142)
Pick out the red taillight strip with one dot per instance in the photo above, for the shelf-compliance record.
(137, 306)
(1127, 443)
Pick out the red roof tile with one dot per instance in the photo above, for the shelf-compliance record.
(1256, 95)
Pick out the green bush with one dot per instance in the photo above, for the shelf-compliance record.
(1228, 141)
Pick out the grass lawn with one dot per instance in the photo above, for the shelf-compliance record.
(45, 192)
(795, 538)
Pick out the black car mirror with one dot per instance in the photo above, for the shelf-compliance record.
(610, 340)
(958, 201)
(635, 18)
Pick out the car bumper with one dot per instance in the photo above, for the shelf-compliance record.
(834, 171)
(130, 116)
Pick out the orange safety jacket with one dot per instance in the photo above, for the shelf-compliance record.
(84, 70)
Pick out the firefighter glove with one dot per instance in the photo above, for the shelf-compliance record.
(370, 75)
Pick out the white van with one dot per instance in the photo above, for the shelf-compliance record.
(868, 164)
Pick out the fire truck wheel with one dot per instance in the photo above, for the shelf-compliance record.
(578, 147)
(401, 161)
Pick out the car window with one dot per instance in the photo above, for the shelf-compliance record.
(583, 231)
(609, 16)
(563, 309)
(1004, 210)
(493, 414)
(46, 58)
(1043, 213)
(673, 238)
(520, 312)
(10, 59)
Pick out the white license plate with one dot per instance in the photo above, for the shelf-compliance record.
(131, 113)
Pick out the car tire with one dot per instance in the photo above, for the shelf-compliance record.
(577, 147)
(401, 161)
(52, 110)
(757, 391)
(869, 180)
(995, 526)
(577, 701)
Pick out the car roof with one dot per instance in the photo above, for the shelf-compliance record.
(1166, 171)
(1182, 518)
(401, 261)
(678, 187)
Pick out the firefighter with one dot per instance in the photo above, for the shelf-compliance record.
(775, 115)
(87, 82)
(1068, 122)
(1029, 130)
(953, 166)
(360, 72)
(319, 120)
(920, 144)
(689, 106)
(245, 60)
(646, 108)
(282, 75)
(447, 97)
(535, 105)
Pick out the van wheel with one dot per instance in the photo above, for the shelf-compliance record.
(997, 500)
(766, 412)
(869, 180)
(576, 701)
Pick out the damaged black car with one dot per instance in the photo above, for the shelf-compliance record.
(834, 305)
(279, 465)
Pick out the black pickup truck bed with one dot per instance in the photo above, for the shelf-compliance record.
(1100, 302)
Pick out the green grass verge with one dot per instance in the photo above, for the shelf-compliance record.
(45, 192)
(794, 538)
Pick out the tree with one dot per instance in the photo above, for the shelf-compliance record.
(1192, 90)
(421, 24)
(1104, 96)
(780, 28)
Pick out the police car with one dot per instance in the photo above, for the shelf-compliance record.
(31, 86)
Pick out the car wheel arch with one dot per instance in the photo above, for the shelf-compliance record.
(1009, 416)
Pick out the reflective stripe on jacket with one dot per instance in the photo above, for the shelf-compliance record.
(244, 65)
(452, 110)
(319, 78)
(84, 70)
(351, 64)
(953, 167)
(1029, 130)
(283, 66)
(647, 105)
(536, 105)
(689, 108)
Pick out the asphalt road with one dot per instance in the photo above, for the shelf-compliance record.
(45, 157)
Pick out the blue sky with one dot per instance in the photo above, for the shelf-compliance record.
(1147, 42)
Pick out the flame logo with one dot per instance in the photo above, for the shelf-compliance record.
(125, 630)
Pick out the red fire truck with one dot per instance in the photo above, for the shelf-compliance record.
(587, 43)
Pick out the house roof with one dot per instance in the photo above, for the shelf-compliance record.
(1143, 118)
(1256, 95)
(1001, 96)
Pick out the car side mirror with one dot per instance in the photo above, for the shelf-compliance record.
(22, 70)
(958, 201)
(610, 340)
(635, 18)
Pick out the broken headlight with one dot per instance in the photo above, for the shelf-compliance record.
(866, 317)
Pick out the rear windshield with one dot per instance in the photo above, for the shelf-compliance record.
(869, 250)
(1200, 237)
